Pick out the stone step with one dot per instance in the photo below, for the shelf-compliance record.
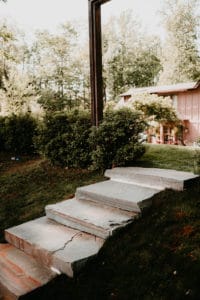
(157, 178)
(54, 245)
(122, 195)
(20, 273)
(89, 217)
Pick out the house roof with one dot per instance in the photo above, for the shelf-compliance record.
(164, 89)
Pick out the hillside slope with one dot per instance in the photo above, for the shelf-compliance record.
(156, 257)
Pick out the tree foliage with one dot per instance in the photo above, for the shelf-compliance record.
(131, 57)
(155, 107)
(55, 65)
(16, 90)
(56, 70)
(180, 56)
(18, 95)
(7, 51)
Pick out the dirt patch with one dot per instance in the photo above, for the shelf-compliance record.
(9, 166)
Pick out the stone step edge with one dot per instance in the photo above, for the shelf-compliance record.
(51, 258)
(7, 294)
(125, 205)
(71, 222)
(156, 187)
(142, 179)
(85, 226)
(68, 268)
(93, 203)
(23, 267)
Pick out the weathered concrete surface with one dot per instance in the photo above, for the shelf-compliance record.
(20, 273)
(90, 217)
(157, 178)
(54, 245)
(118, 194)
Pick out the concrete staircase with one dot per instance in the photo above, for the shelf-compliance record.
(75, 230)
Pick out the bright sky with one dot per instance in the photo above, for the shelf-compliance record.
(48, 14)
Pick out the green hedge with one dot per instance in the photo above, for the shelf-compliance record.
(64, 139)
(115, 141)
(17, 134)
(2, 135)
(69, 140)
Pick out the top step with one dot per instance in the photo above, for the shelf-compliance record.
(151, 177)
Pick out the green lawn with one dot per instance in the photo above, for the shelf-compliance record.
(26, 186)
(157, 257)
(171, 157)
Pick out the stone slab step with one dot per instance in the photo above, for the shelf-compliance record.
(118, 194)
(89, 217)
(20, 273)
(157, 178)
(54, 245)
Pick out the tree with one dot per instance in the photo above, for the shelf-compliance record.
(55, 65)
(18, 95)
(13, 51)
(54, 68)
(139, 68)
(16, 91)
(131, 57)
(6, 51)
(155, 107)
(180, 56)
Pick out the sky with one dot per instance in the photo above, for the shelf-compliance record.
(30, 15)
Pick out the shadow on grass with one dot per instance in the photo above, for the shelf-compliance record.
(156, 257)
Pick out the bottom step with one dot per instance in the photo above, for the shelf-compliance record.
(54, 245)
(20, 273)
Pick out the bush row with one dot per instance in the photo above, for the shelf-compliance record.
(17, 134)
(69, 140)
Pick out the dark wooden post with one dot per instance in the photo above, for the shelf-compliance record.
(96, 80)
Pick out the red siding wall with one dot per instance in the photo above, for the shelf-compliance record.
(188, 108)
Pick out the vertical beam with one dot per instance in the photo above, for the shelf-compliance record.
(96, 80)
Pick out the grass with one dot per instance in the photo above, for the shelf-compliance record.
(157, 257)
(28, 185)
(171, 157)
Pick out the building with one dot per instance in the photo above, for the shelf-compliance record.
(186, 101)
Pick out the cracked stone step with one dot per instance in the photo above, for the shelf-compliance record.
(157, 178)
(89, 217)
(54, 245)
(20, 273)
(122, 195)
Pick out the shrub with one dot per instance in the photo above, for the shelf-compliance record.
(53, 126)
(2, 134)
(16, 134)
(64, 138)
(115, 141)
(68, 139)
